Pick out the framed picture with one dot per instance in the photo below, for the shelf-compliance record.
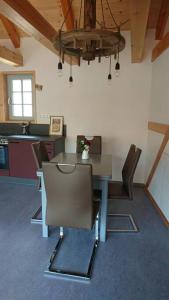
(56, 125)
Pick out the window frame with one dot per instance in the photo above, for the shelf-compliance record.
(20, 75)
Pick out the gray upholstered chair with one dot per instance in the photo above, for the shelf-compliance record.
(95, 147)
(124, 190)
(70, 204)
(40, 154)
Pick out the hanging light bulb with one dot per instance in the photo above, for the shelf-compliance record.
(70, 77)
(109, 77)
(70, 81)
(117, 66)
(60, 73)
(117, 69)
(60, 69)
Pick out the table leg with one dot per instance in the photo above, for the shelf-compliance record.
(103, 212)
(43, 196)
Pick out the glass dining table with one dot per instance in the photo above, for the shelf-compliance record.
(102, 174)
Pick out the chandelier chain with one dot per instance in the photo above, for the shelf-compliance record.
(99, 23)
(103, 14)
(80, 12)
(110, 65)
(70, 65)
(90, 41)
(68, 11)
(112, 14)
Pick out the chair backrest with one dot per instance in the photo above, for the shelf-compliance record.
(95, 147)
(69, 195)
(40, 153)
(129, 169)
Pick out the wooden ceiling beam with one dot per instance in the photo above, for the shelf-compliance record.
(29, 15)
(11, 30)
(160, 47)
(9, 57)
(67, 14)
(18, 13)
(162, 19)
(26, 17)
(139, 13)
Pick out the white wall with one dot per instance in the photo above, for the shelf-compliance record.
(159, 112)
(159, 107)
(159, 104)
(119, 113)
(159, 186)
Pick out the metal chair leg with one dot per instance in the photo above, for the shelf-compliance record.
(97, 228)
(35, 219)
(55, 272)
(134, 229)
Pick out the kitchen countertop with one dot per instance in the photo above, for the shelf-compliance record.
(49, 138)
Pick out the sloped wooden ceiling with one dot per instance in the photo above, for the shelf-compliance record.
(123, 10)
(52, 12)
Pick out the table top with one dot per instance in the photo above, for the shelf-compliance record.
(101, 164)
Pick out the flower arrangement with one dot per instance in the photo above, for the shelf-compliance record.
(85, 144)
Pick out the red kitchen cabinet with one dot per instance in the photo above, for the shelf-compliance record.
(21, 160)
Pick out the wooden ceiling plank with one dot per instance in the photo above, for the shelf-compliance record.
(160, 47)
(162, 19)
(19, 20)
(11, 30)
(67, 14)
(9, 57)
(26, 17)
(139, 12)
(25, 9)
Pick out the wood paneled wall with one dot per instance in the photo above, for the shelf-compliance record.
(2, 97)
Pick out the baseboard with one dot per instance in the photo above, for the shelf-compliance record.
(150, 197)
(138, 184)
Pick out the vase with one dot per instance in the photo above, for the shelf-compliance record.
(85, 154)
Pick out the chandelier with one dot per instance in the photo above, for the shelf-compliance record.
(90, 42)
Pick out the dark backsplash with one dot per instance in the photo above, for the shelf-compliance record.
(38, 129)
(10, 129)
(16, 129)
(33, 129)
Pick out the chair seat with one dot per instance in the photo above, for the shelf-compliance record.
(116, 190)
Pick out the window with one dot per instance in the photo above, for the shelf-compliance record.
(20, 97)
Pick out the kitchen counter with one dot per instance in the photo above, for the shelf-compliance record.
(49, 138)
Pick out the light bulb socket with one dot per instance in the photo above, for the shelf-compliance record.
(117, 66)
(109, 77)
(70, 79)
(59, 65)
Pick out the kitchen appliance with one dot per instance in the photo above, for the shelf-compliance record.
(4, 159)
(25, 127)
